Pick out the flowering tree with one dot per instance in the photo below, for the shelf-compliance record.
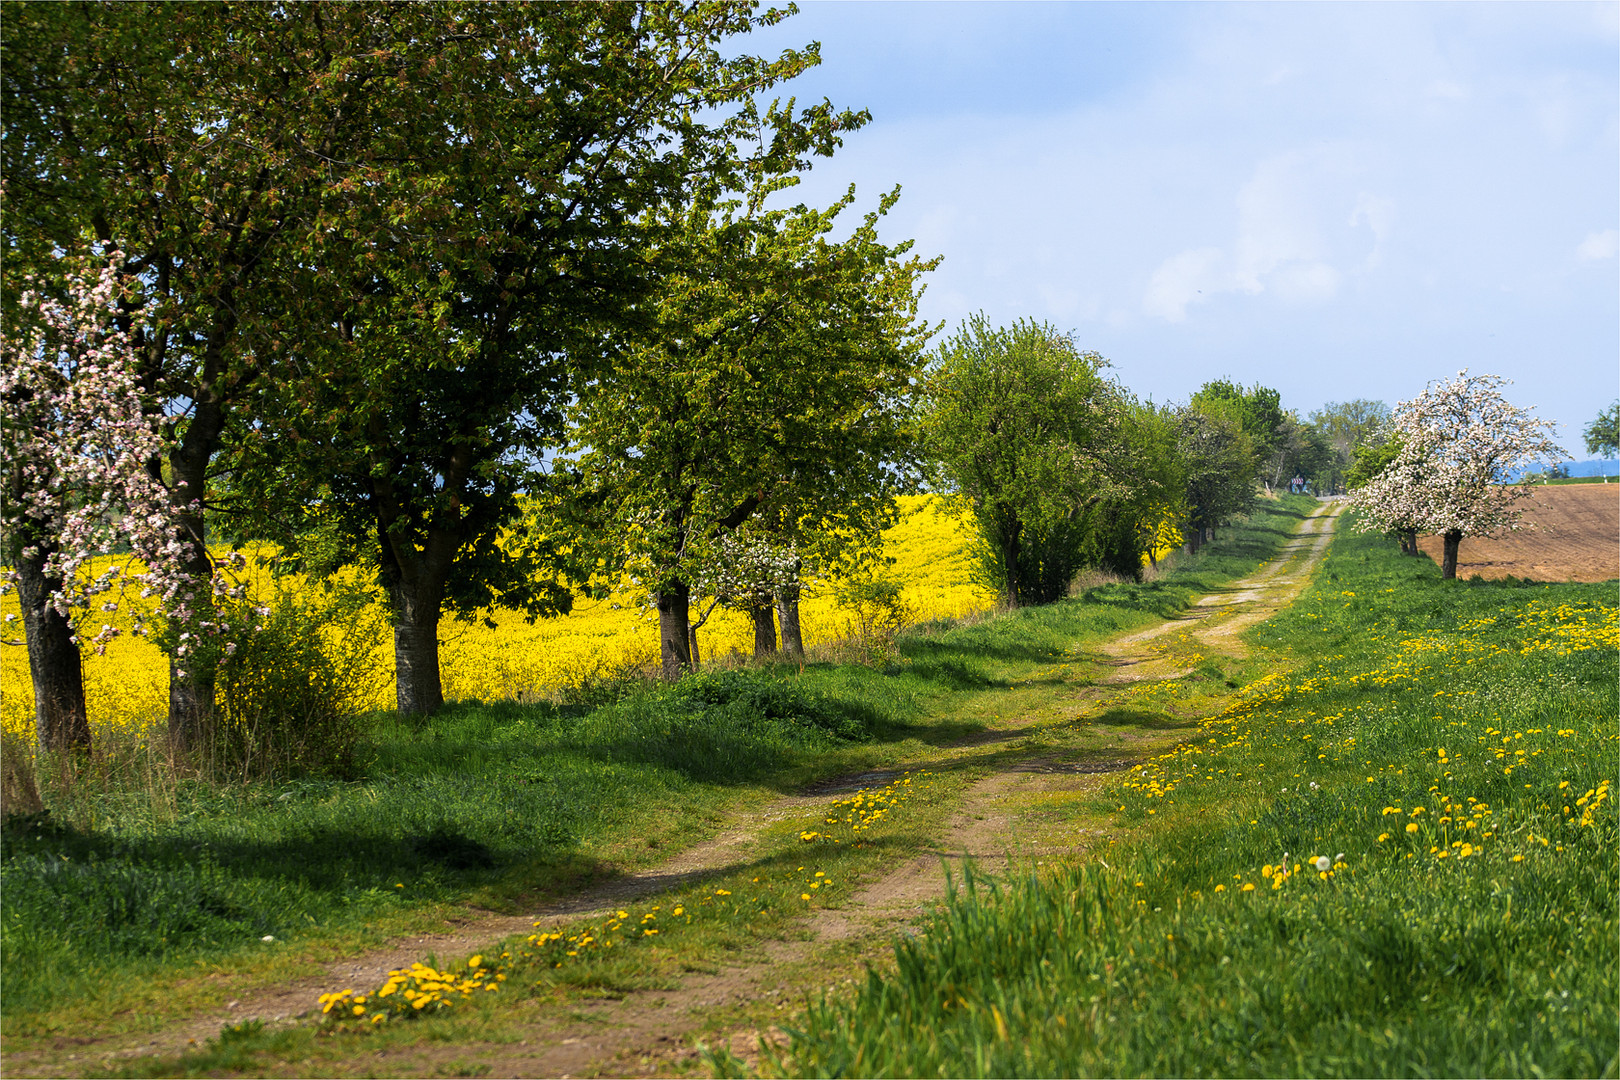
(747, 570)
(1460, 440)
(77, 447)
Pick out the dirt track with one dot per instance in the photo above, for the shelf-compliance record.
(653, 1032)
(1573, 535)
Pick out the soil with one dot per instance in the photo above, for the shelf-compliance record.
(659, 1032)
(1572, 534)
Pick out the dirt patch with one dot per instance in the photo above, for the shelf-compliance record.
(1217, 620)
(1573, 535)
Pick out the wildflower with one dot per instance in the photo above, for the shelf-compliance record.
(1411, 826)
(1323, 862)
(1248, 886)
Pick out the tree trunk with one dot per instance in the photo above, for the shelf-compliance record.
(60, 721)
(787, 614)
(764, 628)
(1448, 562)
(191, 678)
(674, 629)
(414, 581)
(414, 605)
(1010, 553)
(418, 690)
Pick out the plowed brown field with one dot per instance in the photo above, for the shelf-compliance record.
(1576, 537)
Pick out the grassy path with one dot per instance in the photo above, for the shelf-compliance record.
(1024, 786)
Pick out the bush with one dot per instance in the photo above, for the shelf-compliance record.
(288, 695)
(752, 700)
(877, 614)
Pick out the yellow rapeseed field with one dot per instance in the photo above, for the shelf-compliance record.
(126, 690)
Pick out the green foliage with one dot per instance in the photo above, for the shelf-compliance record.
(877, 612)
(1370, 459)
(1344, 428)
(771, 377)
(1149, 502)
(1398, 962)
(1219, 469)
(1020, 423)
(1257, 412)
(1603, 434)
(288, 693)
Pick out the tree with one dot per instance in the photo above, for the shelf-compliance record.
(1603, 434)
(771, 370)
(1345, 426)
(1461, 440)
(1218, 470)
(1148, 502)
(208, 146)
(372, 240)
(1368, 461)
(1256, 412)
(1020, 423)
(76, 446)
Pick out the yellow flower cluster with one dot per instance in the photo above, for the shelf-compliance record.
(1324, 868)
(629, 928)
(1569, 628)
(411, 992)
(126, 690)
(867, 807)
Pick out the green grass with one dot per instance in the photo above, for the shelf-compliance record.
(1400, 961)
(117, 917)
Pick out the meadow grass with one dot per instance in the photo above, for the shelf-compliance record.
(118, 917)
(1395, 859)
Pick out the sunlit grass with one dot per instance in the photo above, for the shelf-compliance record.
(1393, 856)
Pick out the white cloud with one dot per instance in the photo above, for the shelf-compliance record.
(1378, 214)
(1599, 245)
(1292, 236)
(1181, 279)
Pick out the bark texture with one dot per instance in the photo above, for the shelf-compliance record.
(787, 613)
(764, 616)
(191, 683)
(54, 663)
(418, 691)
(1448, 562)
(674, 629)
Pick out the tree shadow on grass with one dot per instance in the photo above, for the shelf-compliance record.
(1126, 716)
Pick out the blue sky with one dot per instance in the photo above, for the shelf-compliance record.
(1335, 200)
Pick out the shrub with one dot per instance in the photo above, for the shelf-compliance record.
(289, 695)
(877, 612)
